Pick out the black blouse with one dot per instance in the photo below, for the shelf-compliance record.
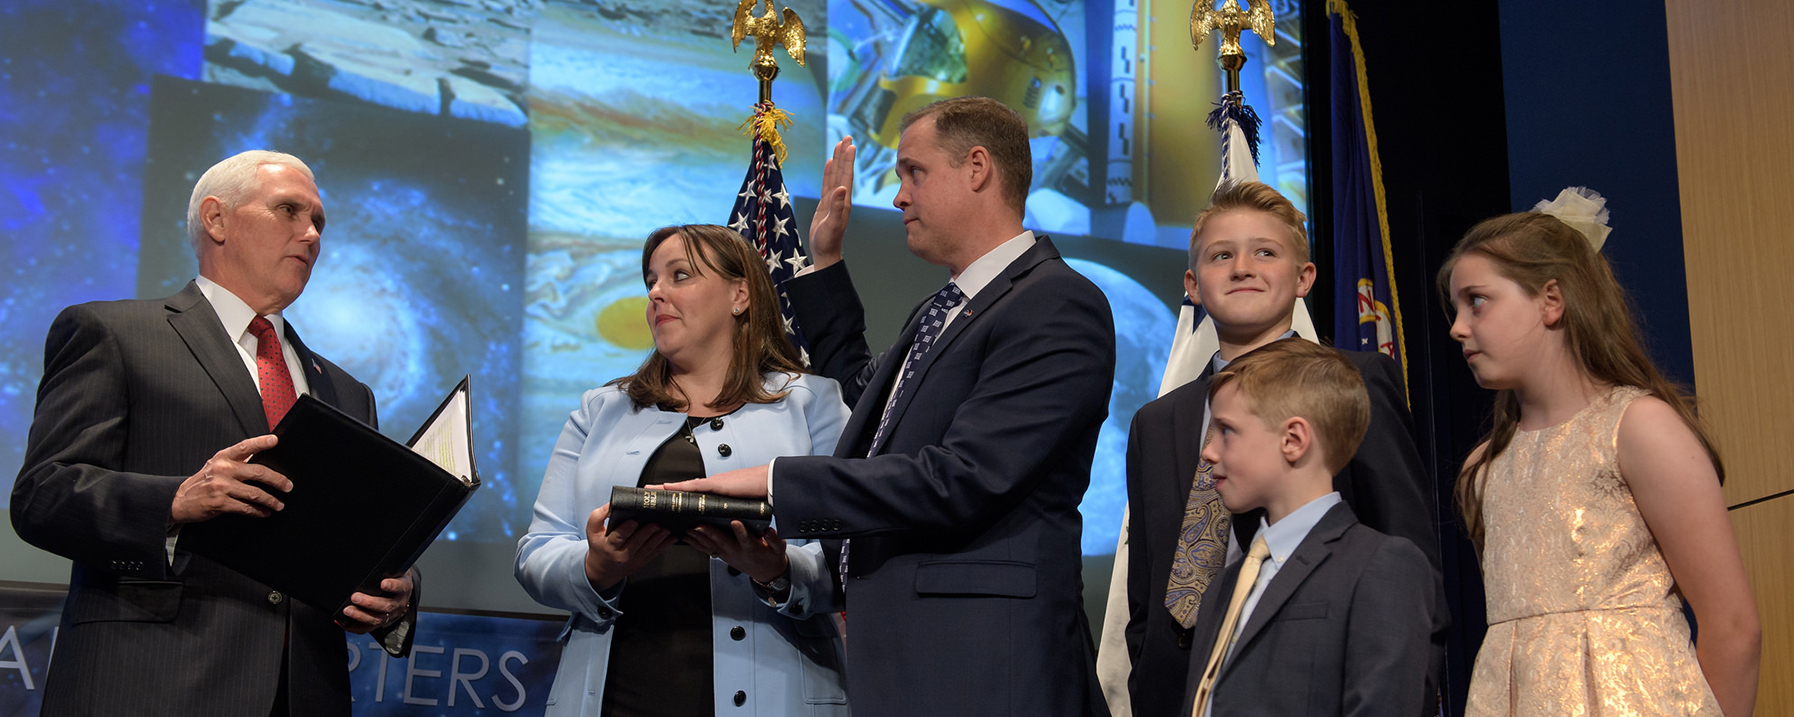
(661, 660)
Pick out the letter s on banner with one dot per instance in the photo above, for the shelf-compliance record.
(521, 694)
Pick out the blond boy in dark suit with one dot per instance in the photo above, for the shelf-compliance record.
(1324, 616)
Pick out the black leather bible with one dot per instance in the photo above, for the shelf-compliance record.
(679, 511)
(363, 506)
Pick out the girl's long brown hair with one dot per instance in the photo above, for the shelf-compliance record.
(760, 346)
(1532, 249)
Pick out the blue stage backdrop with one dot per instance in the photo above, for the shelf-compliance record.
(491, 169)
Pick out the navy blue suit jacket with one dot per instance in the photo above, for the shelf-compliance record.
(136, 396)
(964, 592)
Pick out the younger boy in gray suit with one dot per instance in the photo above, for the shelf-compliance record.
(1324, 616)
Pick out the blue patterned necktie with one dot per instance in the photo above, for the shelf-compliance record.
(934, 321)
(1201, 545)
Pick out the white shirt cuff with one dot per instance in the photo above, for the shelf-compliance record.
(769, 467)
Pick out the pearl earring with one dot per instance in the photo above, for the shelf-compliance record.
(738, 312)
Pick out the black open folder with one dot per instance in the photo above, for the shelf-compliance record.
(363, 507)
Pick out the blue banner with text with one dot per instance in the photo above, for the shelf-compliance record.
(459, 664)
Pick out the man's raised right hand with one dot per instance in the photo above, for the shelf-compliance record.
(225, 484)
(829, 224)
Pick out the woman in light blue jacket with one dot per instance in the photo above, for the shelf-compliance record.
(729, 623)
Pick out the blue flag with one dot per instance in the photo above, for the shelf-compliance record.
(763, 215)
(1367, 315)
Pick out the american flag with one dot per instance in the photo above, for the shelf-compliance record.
(763, 215)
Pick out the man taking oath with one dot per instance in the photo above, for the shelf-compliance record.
(953, 493)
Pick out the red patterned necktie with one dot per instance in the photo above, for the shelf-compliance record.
(271, 371)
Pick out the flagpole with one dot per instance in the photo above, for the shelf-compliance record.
(763, 213)
(766, 69)
(1195, 341)
(1231, 64)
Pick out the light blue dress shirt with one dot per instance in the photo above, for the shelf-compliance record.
(1283, 537)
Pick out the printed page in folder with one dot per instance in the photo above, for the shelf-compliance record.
(446, 440)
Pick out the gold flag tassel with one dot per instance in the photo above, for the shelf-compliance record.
(764, 125)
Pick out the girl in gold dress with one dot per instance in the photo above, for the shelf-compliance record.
(1594, 502)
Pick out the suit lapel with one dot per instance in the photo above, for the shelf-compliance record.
(974, 309)
(864, 422)
(1042, 250)
(1187, 435)
(321, 386)
(1314, 550)
(199, 327)
(972, 313)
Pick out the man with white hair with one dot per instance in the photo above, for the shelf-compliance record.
(147, 416)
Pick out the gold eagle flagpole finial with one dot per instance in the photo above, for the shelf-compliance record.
(1230, 20)
(768, 31)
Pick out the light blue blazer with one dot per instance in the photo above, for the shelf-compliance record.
(790, 661)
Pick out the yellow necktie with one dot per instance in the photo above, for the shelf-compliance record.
(1224, 640)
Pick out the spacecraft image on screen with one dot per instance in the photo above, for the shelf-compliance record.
(1120, 151)
(887, 59)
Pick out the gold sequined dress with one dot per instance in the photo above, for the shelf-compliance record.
(1582, 617)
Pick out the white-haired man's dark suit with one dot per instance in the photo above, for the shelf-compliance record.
(136, 396)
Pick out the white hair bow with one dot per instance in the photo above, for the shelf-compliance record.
(1584, 209)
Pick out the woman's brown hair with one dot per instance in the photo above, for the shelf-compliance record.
(760, 346)
(1533, 249)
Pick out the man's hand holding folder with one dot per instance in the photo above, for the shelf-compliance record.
(229, 483)
(372, 612)
(358, 510)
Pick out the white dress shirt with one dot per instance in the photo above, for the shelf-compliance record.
(984, 269)
(235, 316)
